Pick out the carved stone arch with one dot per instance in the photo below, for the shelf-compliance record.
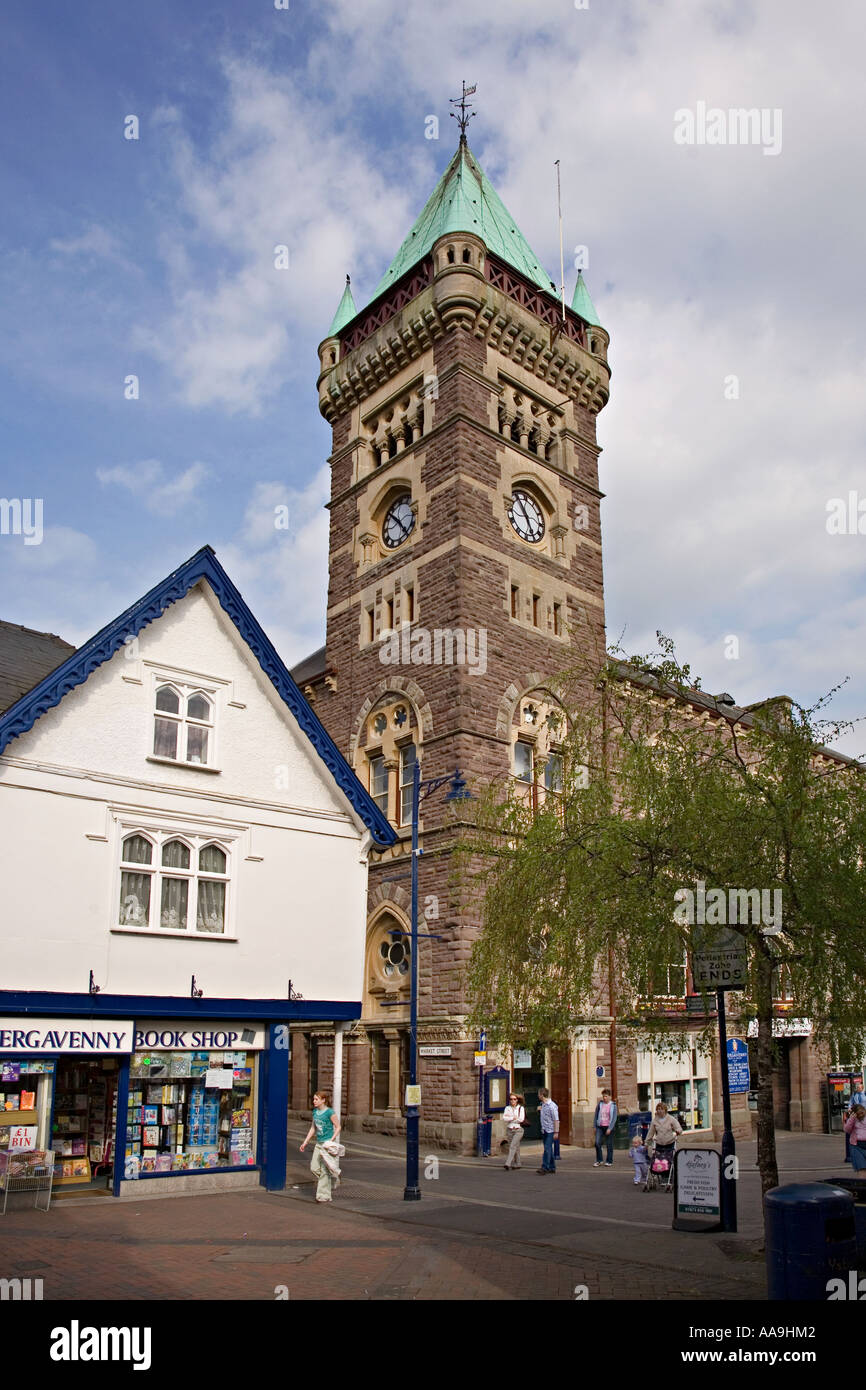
(410, 690)
(531, 483)
(508, 703)
(384, 986)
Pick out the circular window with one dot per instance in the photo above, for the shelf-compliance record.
(395, 958)
(399, 522)
(526, 517)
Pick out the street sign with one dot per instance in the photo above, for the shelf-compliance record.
(480, 1059)
(697, 1190)
(434, 1050)
(719, 959)
(738, 1065)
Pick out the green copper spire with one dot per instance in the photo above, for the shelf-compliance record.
(464, 200)
(582, 303)
(346, 311)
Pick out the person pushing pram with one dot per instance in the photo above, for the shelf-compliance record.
(661, 1142)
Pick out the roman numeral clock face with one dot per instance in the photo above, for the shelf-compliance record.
(399, 522)
(526, 517)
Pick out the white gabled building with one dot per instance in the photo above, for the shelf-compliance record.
(184, 866)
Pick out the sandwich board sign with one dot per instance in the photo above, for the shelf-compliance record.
(719, 960)
(697, 1190)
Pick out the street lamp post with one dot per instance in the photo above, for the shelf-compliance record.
(458, 792)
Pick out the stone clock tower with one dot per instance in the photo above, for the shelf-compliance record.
(465, 561)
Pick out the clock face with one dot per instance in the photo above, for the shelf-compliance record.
(399, 521)
(525, 516)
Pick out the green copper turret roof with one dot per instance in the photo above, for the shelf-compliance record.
(464, 200)
(582, 303)
(346, 311)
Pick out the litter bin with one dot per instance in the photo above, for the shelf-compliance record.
(622, 1132)
(857, 1188)
(810, 1239)
(484, 1130)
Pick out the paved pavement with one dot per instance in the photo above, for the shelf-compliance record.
(478, 1233)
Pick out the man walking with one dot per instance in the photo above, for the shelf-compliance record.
(605, 1119)
(549, 1116)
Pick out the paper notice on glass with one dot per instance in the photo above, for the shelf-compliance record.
(219, 1077)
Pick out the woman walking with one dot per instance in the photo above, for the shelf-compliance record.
(514, 1116)
(855, 1128)
(324, 1165)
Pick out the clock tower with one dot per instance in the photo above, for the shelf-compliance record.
(465, 567)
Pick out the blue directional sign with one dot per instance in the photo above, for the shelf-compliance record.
(738, 1065)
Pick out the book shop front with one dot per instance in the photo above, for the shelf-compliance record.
(125, 1100)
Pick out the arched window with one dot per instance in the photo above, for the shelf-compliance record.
(183, 725)
(173, 883)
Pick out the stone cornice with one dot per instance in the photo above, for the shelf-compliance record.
(504, 324)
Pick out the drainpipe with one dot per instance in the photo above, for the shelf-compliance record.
(337, 1100)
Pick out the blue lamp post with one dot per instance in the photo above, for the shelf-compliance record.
(458, 792)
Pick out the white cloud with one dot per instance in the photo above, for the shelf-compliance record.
(160, 492)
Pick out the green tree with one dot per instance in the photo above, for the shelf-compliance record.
(664, 789)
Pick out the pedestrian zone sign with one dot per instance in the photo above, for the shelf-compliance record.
(719, 960)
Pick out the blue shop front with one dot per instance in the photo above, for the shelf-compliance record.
(127, 1089)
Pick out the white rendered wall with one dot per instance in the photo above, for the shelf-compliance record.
(299, 878)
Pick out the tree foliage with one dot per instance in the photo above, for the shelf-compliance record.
(578, 891)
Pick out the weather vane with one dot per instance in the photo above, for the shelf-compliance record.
(465, 113)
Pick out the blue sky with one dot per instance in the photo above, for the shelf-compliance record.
(306, 127)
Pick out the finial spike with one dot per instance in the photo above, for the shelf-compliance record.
(465, 113)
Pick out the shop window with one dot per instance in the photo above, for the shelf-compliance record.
(183, 725)
(175, 1122)
(173, 884)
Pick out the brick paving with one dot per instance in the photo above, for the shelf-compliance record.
(478, 1234)
(243, 1245)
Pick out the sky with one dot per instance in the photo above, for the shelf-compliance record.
(730, 277)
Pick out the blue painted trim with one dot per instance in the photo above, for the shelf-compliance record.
(154, 1006)
(193, 1172)
(273, 1113)
(21, 716)
(122, 1094)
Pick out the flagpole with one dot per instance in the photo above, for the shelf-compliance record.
(561, 256)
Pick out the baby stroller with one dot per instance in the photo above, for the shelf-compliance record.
(660, 1170)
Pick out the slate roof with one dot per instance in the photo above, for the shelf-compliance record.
(23, 714)
(26, 657)
(312, 666)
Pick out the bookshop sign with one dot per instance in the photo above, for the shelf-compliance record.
(81, 1036)
(196, 1036)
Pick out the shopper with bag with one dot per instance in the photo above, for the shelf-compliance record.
(328, 1151)
(514, 1116)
